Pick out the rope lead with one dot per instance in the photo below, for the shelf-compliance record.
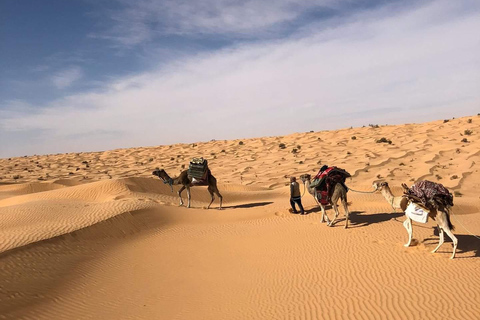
(361, 191)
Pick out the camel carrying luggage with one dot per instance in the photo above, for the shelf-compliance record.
(326, 179)
(198, 168)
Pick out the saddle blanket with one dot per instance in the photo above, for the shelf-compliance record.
(427, 190)
(320, 177)
(322, 197)
(416, 213)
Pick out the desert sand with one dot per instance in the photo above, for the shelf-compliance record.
(96, 236)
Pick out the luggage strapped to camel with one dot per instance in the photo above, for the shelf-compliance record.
(198, 168)
(424, 196)
(430, 194)
(324, 182)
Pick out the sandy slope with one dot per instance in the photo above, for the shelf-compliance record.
(109, 241)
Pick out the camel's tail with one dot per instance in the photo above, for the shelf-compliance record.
(450, 225)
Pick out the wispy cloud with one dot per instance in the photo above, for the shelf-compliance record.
(65, 78)
(143, 20)
(382, 67)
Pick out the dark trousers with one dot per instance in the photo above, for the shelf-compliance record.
(298, 201)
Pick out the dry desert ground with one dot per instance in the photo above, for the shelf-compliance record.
(96, 236)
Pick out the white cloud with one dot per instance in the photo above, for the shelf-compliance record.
(142, 20)
(377, 68)
(65, 78)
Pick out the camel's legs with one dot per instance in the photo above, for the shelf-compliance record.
(408, 225)
(188, 197)
(335, 207)
(212, 190)
(324, 215)
(454, 240)
(180, 194)
(211, 195)
(442, 221)
(347, 213)
(440, 240)
(219, 196)
(322, 209)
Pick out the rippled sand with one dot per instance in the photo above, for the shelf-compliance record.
(95, 235)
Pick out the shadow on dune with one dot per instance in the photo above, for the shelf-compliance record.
(35, 273)
(358, 221)
(341, 218)
(317, 209)
(468, 243)
(249, 205)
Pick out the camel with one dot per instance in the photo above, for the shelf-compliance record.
(338, 193)
(440, 213)
(187, 183)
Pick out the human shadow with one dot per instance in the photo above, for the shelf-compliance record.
(357, 220)
(249, 205)
(466, 243)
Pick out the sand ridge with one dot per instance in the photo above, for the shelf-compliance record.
(92, 235)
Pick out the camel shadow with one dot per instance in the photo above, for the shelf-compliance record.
(341, 219)
(327, 207)
(359, 221)
(317, 209)
(466, 243)
(249, 205)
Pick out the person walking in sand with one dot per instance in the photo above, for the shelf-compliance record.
(295, 197)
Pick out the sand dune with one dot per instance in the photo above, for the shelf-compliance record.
(95, 235)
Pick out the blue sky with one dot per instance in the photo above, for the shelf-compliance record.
(97, 75)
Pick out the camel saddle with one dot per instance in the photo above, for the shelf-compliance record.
(429, 194)
(326, 179)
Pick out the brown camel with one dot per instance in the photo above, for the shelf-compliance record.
(338, 193)
(440, 213)
(187, 183)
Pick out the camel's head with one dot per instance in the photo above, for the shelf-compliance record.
(305, 177)
(379, 185)
(164, 176)
(160, 173)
